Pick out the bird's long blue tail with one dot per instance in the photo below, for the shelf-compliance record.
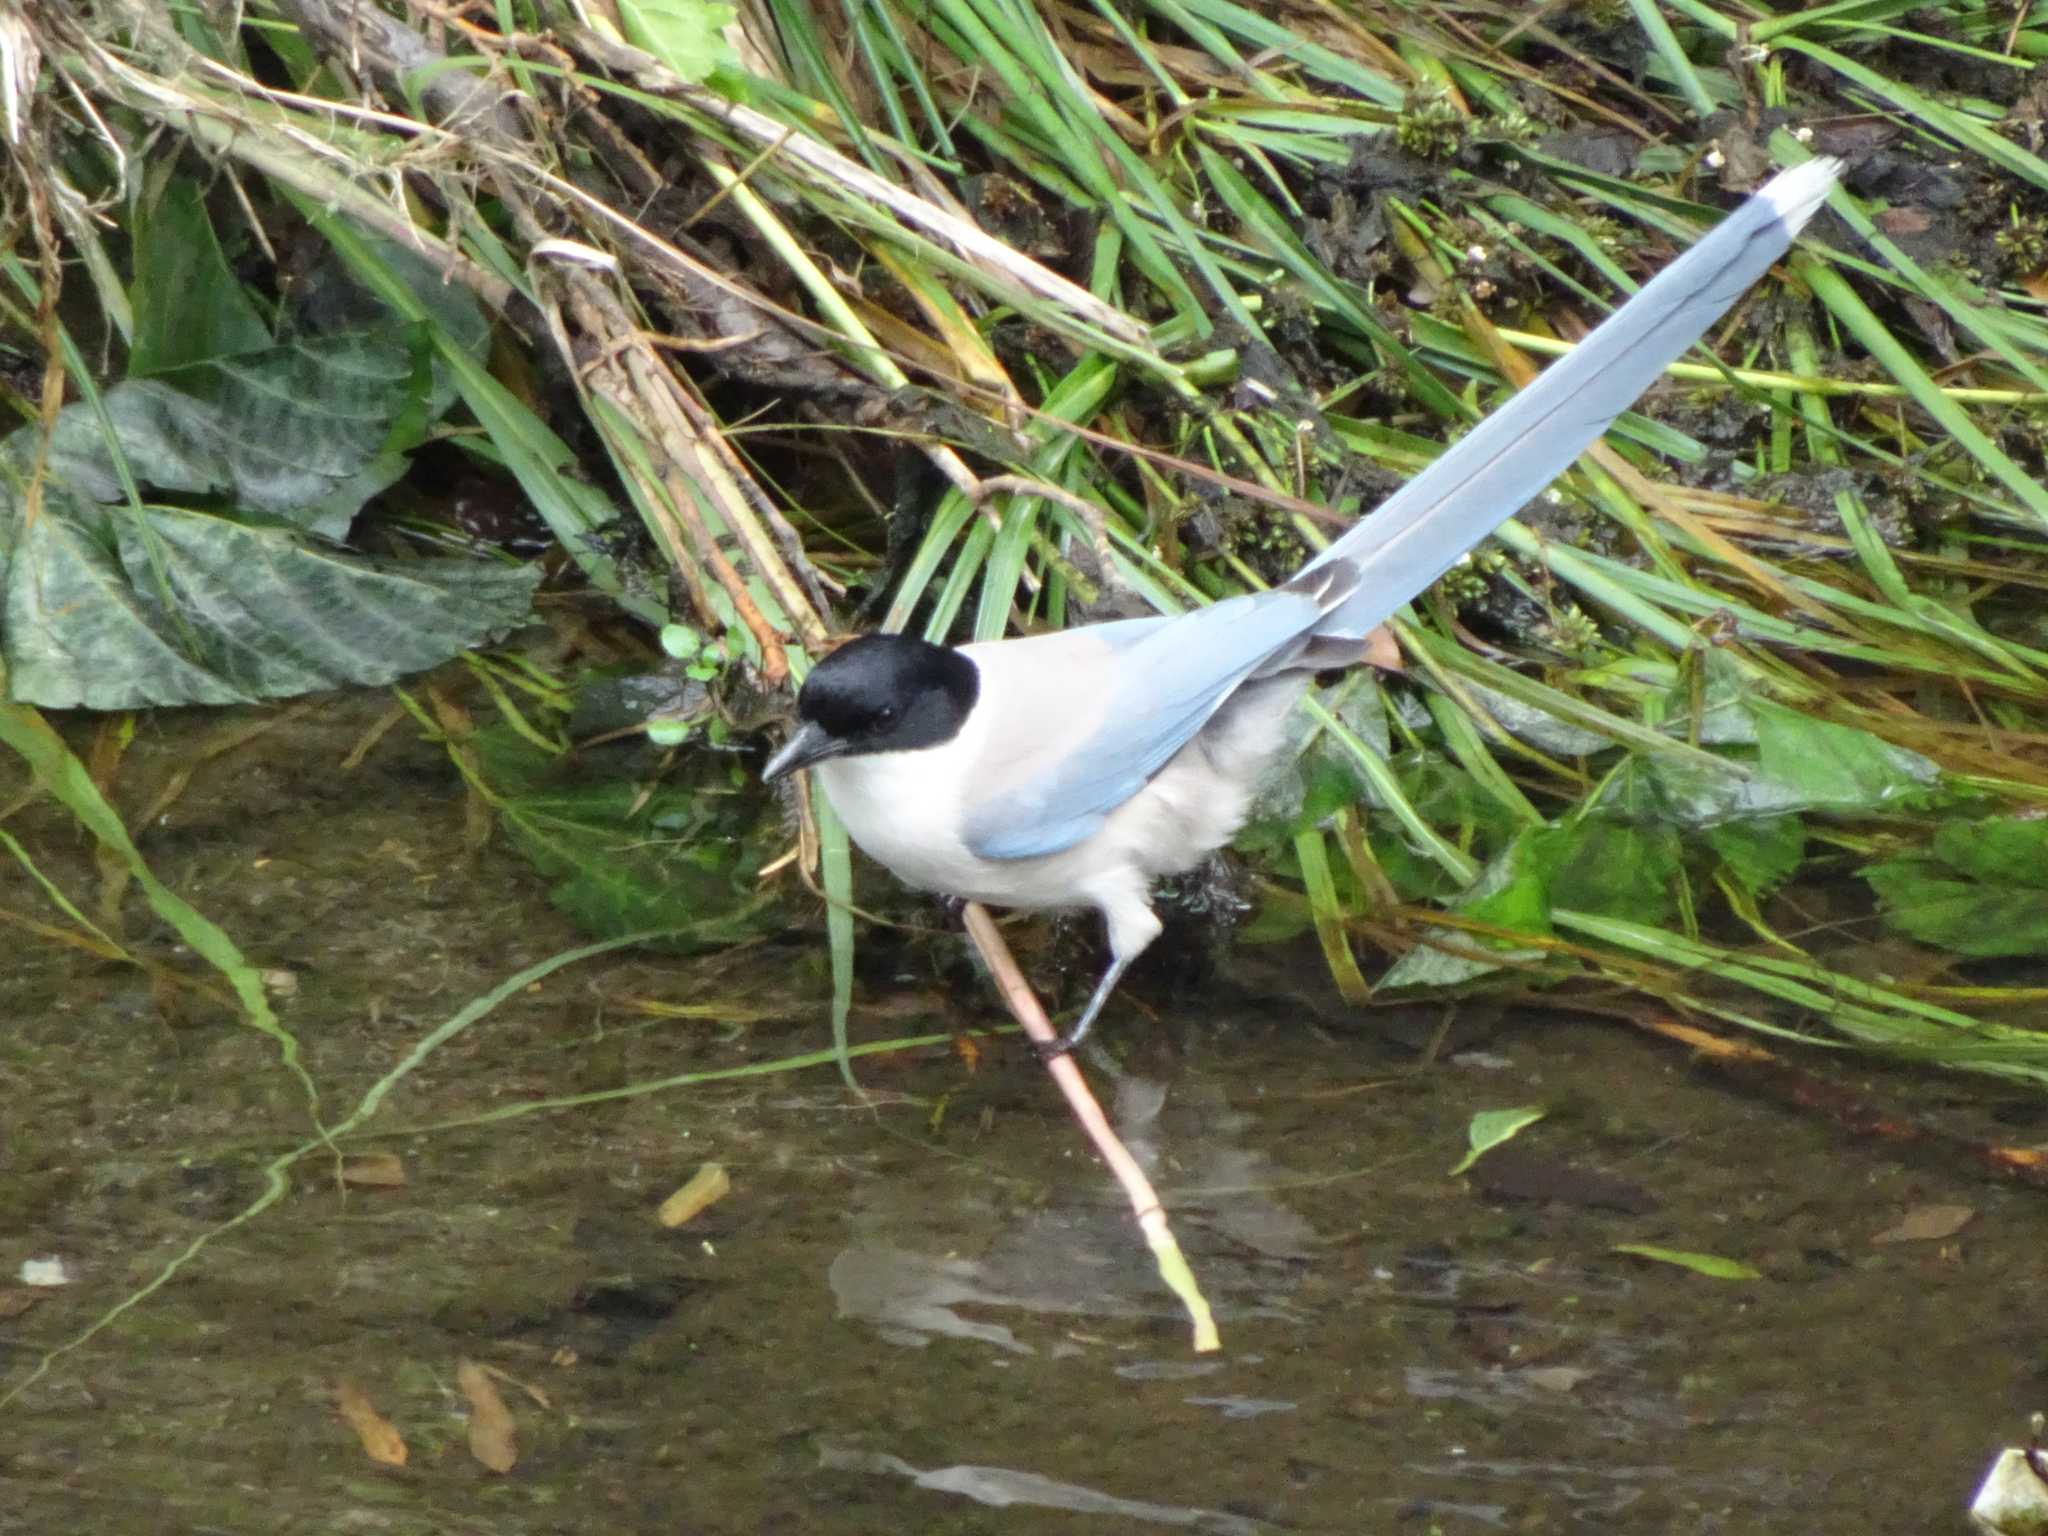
(1509, 458)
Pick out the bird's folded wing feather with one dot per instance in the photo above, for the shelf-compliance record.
(1090, 715)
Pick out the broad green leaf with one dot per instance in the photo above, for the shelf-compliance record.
(1760, 854)
(189, 307)
(1823, 766)
(1595, 863)
(1599, 864)
(686, 35)
(1512, 892)
(293, 434)
(1490, 1127)
(1800, 763)
(111, 603)
(1983, 893)
(2011, 849)
(108, 609)
(301, 430)
(1928, 902)
(1329, 783)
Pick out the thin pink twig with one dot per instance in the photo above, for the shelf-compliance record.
(1025, 1008)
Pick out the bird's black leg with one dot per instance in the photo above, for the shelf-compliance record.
(1086, 1022)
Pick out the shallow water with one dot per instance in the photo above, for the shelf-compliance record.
(928, 1311)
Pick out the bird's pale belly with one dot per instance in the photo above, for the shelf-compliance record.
(892, 815)
(895, 814)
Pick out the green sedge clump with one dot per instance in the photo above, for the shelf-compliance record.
(1430, 125)
(2023, 243)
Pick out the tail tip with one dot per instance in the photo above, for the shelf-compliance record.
(1796, 195)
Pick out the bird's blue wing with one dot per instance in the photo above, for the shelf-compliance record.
(1158, 681)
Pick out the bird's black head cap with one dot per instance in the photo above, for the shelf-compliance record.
(879, 693)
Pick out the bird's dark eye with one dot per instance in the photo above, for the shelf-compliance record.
(885, 714)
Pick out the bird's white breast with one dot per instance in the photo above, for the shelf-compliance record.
(903, 810)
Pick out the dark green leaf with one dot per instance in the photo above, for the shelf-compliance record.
(1798, 764)
(1760, 854)
(105, 610)
(627, 859)
(1512, 892)
(1599, 864)
(109, 605)
(1984, 894)
(294, 434)
(188, 306)
(2011, 850)
(303, 430)
(1329, 784)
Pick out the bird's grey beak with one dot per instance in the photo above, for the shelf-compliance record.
(808, 745)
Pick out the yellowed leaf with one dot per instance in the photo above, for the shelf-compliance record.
(540, 1398)
(707, 1186)
(373, 1170)
(493, 1437)
(380, 1438)
(1554, 1378)
(1928, 1224)
(1905, 221)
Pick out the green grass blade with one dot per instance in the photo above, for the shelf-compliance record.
(65, 779)
(1858, 320)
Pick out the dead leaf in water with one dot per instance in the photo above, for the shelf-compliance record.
(707, 1186)
(1554, 1378)
(539, 1396)
(1928, 1224)
(380, 1438)
(493, 1437)
(373, 1170)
